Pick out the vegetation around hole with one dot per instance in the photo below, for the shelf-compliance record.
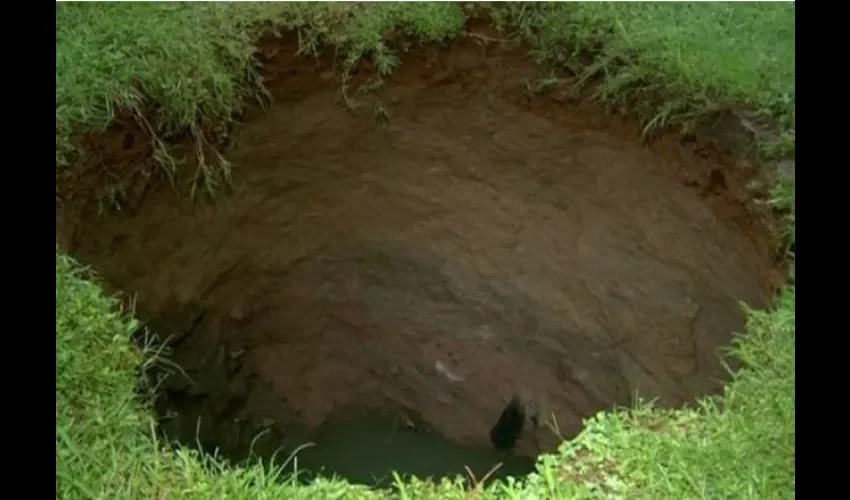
(189, 69)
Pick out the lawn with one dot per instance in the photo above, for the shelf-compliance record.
(181, 68)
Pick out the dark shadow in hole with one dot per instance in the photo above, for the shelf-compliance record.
(363, 447)
(508, 429)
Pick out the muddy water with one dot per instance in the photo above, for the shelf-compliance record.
(470, 246)
(368, 450)
(362, 448)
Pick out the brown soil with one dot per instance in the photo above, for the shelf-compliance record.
(474, 244)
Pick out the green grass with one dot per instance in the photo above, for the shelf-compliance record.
(673, 63)
(181, 68)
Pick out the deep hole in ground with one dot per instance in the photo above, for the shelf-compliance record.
(383, 282)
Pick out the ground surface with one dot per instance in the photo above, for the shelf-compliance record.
(758, 409)
(542, 252)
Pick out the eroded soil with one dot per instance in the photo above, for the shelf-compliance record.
(449, 243)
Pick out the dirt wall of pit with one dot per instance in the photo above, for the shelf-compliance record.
(446, 243)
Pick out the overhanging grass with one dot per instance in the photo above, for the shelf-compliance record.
(179, 67)
(674, 62)
(189, 67)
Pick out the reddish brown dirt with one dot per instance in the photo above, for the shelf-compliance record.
(476, 244)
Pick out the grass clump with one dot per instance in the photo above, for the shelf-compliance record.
(106, 447)
(180, 68)
(101, 430)
(174, 66)
(673, 63)
(740, 445)
(189, 68)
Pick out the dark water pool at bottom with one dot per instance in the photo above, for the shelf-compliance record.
(368, 450)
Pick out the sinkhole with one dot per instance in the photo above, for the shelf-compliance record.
(457, 284)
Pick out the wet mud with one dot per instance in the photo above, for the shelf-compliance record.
(447, 244)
